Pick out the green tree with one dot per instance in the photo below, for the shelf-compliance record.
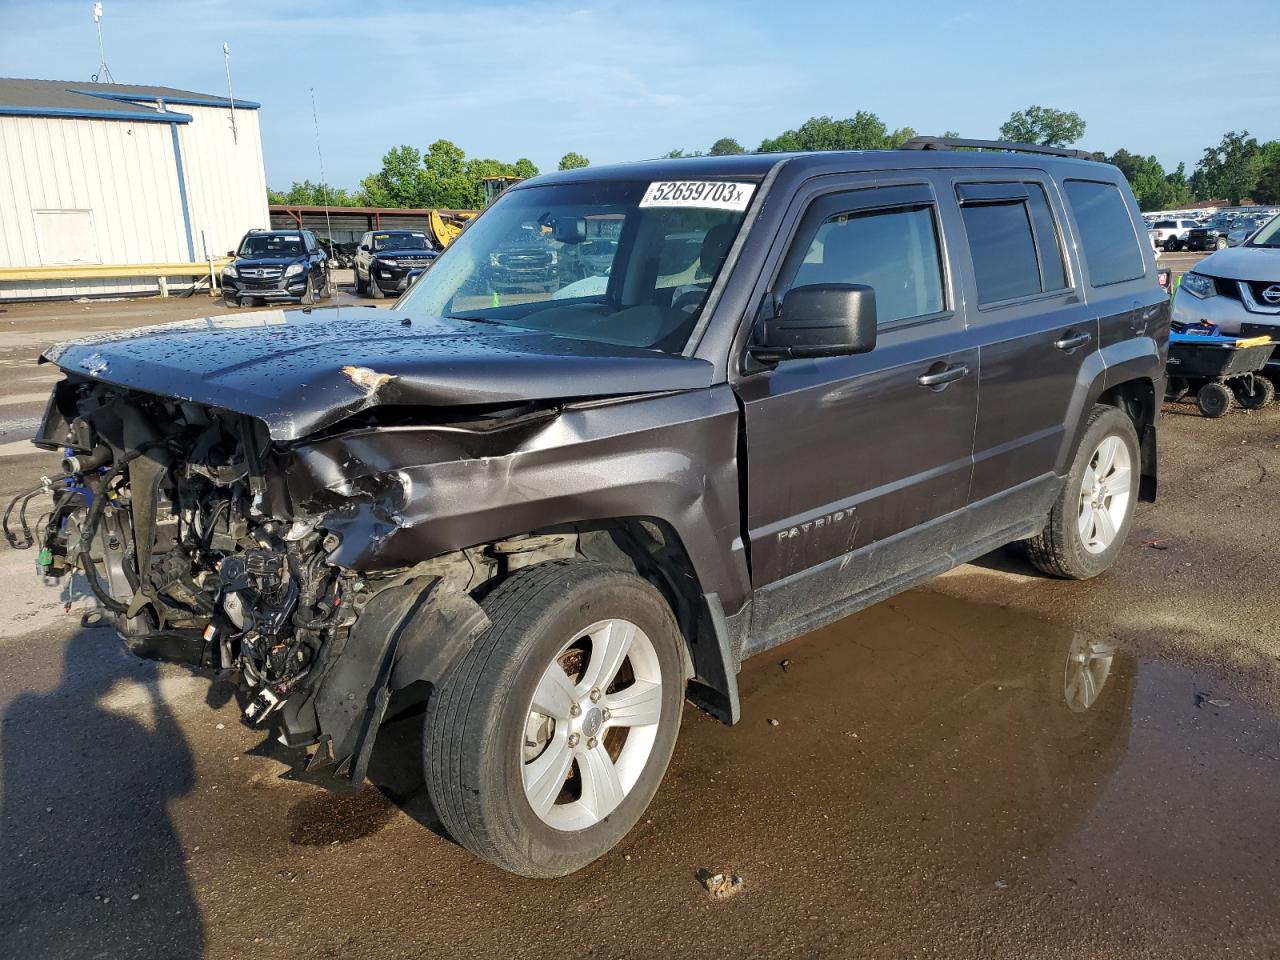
(862, 131)
(1267, 187)
(573, 161)
(1043, 125)
(400, 181)
(441, 177)
(725, 146)
(1230, 170)
(307, 193)
(1179, 189)
(677, 154)
(525, 168)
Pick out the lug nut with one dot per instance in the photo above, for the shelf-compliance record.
(595, 696)
(573, 739)
(605, 714)
(591, 744)
(575, 711)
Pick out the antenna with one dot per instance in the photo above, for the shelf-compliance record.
(324, 190)
(104, 72)
(231, 97)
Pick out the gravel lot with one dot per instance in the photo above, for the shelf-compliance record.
(925, 790)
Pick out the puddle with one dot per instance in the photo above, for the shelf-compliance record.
(327, 818)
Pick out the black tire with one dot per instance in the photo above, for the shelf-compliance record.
(230, 301)
(475, 721)
(326, 291)
(1255, 393)
(1220, 243)
(375, 291)
(309, 294)
(1171, 245)
(1058, 549)
(1176, 389)
(361, 288)
(1214, 400)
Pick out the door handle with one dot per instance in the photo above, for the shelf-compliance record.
(1070, 343)
(944, 376)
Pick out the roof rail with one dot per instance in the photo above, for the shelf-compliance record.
(951, 143)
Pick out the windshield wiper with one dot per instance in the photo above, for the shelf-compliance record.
(475, 319)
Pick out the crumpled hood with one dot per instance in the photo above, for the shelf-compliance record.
(1242, 263)
(300, 371)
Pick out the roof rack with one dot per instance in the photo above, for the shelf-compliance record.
(951, 143)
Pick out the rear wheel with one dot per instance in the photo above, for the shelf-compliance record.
(1214, 400)
(1256, 392)
(1171, 245)
(1092, 515)
(545, 744)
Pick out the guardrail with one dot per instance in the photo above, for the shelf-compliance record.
(161, 272)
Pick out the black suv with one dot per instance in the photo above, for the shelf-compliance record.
(277, 265)
(385, 260)
(1212, 235)
(803, 384)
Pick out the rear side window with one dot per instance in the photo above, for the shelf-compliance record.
(1106, 232)
(1013, 242)
(894, 251)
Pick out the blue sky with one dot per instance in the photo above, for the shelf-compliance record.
(628, 80)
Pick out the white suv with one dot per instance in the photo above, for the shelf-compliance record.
(1238, 289)
(1171, 234)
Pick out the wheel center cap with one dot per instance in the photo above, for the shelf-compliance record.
(592, 721)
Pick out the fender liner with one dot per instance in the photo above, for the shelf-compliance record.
(714, 687)
(413, 631)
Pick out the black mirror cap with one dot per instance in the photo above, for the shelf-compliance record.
(819, 320)
(413, 275)
(569, 230)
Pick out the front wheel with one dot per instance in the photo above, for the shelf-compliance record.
(375, 291)
(1220, 243)
(545, 744)
(1092, 515)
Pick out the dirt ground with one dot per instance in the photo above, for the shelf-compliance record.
(927, 789)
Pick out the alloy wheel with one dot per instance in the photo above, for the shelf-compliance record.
(1105, 491)
(591, 725)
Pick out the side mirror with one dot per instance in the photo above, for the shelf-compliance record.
(364, 247)
(231, 253)
(569, 230)
(819, 320)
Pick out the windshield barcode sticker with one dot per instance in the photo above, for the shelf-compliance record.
(710, 194)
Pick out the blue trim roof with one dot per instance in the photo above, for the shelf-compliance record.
(144, 116)
(103, 101)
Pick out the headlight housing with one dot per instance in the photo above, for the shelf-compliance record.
(230, 270)
(1198, 285)
(294, 269)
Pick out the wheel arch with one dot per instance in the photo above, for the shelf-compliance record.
(1139, 399)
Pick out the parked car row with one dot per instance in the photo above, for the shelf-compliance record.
(1208, 233)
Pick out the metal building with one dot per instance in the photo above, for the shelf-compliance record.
(98, 179)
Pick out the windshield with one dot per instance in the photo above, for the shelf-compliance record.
(627, 263)
(271, 245)
(1268, 236)
(400, 241)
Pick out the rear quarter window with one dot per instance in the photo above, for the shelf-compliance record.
(1107, 234)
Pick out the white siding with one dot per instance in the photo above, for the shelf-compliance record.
(124, 174)
(226, 185)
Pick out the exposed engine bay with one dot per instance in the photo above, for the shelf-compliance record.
(178, 519)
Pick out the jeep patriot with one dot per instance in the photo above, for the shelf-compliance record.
(781, 388)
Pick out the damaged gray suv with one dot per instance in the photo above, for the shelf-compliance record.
(554, 511)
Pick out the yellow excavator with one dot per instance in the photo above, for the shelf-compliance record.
(447, 224)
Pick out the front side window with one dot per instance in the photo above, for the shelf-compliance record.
(628, 262)
(1110, 244)
(895, 252)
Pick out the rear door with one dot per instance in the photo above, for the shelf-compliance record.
(1038, 338)
(854, 461)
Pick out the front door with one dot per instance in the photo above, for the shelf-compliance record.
(858, 467)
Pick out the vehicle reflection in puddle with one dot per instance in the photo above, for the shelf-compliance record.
(974, 742)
